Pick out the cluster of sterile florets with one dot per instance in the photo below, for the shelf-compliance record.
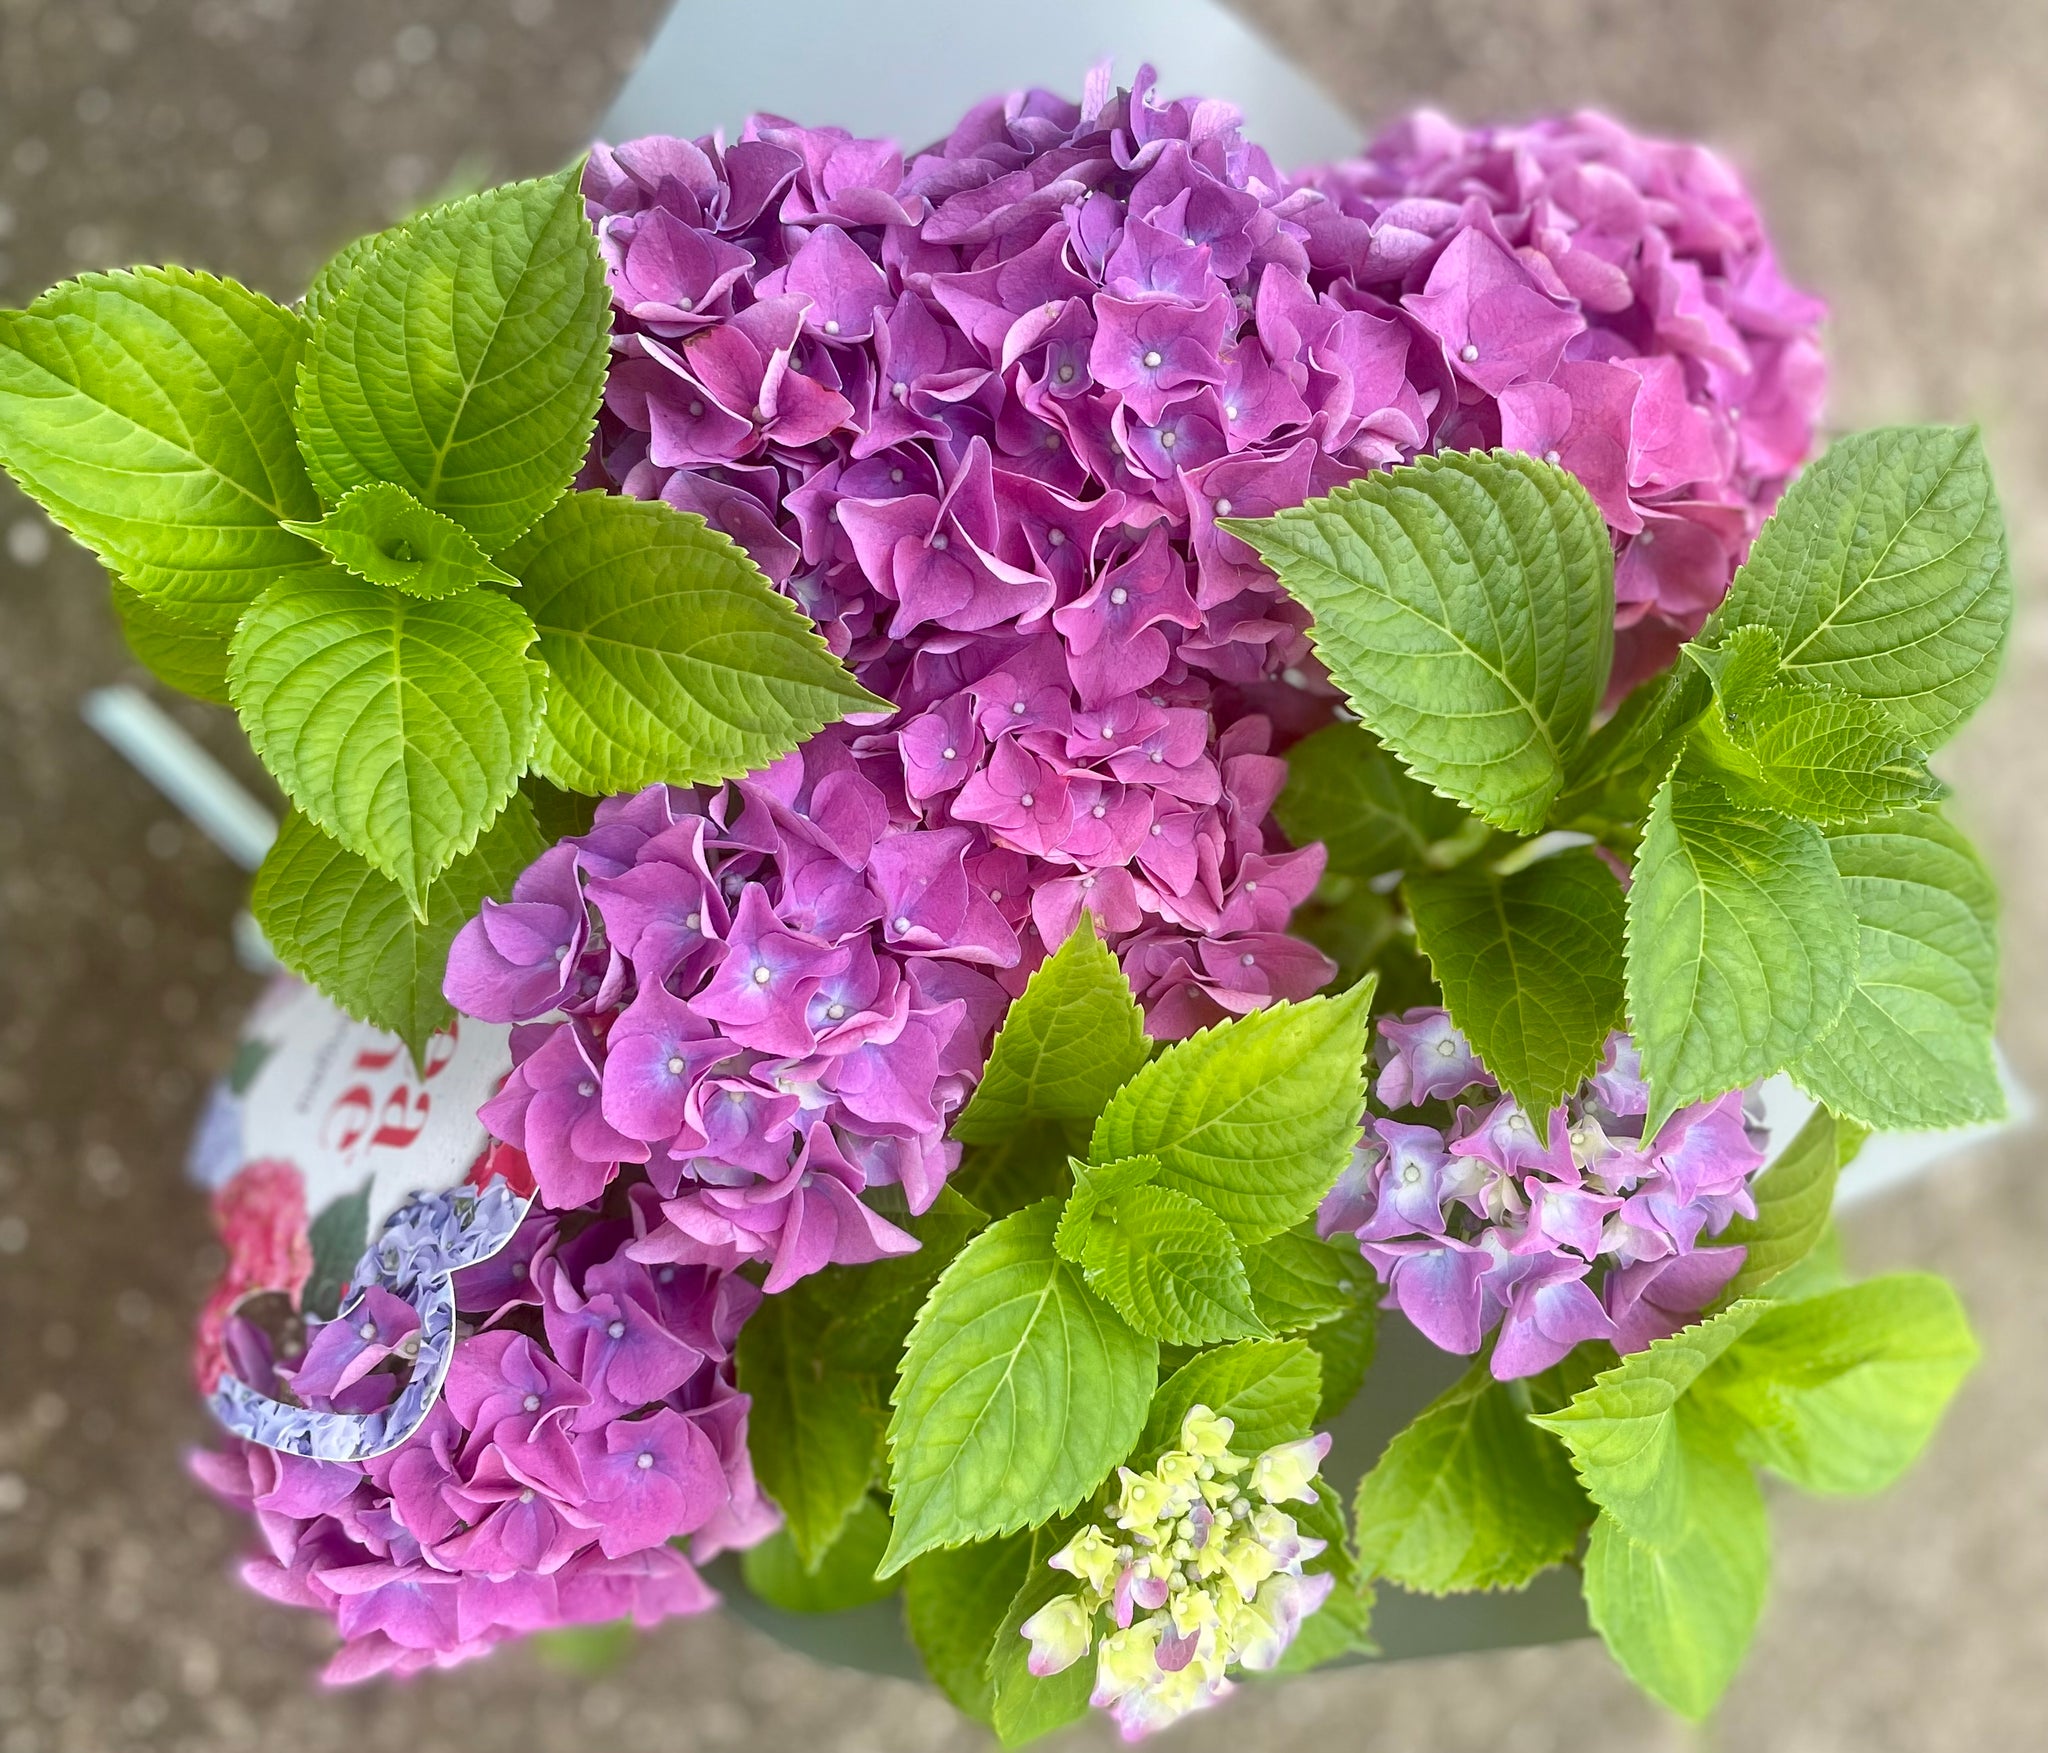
(589, 1429)
(761, 1003)
(1198, 1571)
(1557, 1228)
(981, 411)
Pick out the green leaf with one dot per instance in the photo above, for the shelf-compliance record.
(1609, 788)
(587, 1651)
(336, 272)
(1813, 752)
(954, 1602)
(1470, 1496)
(1344, 1347)
(379, 531)
(1346, 791)
(1793, 1199)
(1019, 1391)
(1840, 1392)
(672, 659)
(1298, 1280)
(1025, 1706)
(1256, 1116)
(337, 1237)
(1531, 966)
(1094, 1183)
(399, 726)
(150, 414)
(182, 654)
(842, 1576)
(815, 1432)
(1624, 1431)
(464, 359)
(1679, 1618)
(1884, 574)
(1070, 1042)
(1026, 1165)
(1465, 605)
(1166, 1264)
(1913, 1047)
(1741, 944)
(1342, 1626)
(865, 1312)
(1268, 1388)
(349, 930)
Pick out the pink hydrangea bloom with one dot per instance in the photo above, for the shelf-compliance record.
(1568, 1229)
(588, 1432)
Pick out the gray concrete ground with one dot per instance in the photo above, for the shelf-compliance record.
(1900, 149)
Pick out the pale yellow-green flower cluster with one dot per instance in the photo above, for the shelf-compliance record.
(1198, 1571)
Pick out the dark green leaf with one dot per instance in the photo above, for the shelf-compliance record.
(1531, 965)
(1346, 791)
(842, 1576)
(955, 1603)
(1024, 1705)
(339, 1233)
(815, 1432)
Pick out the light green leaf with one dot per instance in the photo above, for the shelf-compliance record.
(182, 654)
(842, 1576)
(348, 929)
(954, 1602)
(1793, 1199)
(671, 656)
(1346, 791)
(1023, 1705)
(1679, 1618)
(464, 359)
(381, 532)
(1298, 1280)
(1166, 1264)
(1068, 1044)
(1019, 1391)
(1268, 1388)
(1741, 944)
(1531, 966)
(1255, 1117)
(338, 270)
(1913, 1047)
(1814, 752)
(1094, 1183)
(1884, 573)
(1624, 1431)
(815, 1431)
(1466, 607)
(150, 414)
(399, 726)
(1840, 1392)
(1470, 1496)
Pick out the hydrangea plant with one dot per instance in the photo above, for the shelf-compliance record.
(1191, 760)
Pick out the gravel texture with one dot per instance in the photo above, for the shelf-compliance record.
(1898, 148)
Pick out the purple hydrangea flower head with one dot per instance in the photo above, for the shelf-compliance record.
(559, 1479)
(1480, 1219)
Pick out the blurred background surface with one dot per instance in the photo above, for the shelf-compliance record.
(1898, 151)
